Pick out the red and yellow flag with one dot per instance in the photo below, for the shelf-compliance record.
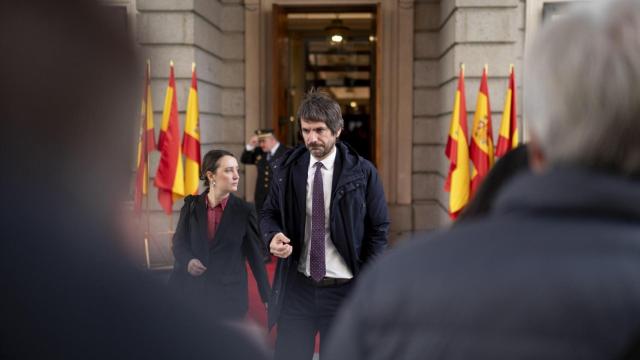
(508, 138)
(146, 142)
(170, 175)
(457, 150)
(191, 139)
(481, 150)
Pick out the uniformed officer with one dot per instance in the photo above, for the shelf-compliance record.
(262, 148)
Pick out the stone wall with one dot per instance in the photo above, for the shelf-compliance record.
(448, 33)
(211, 34)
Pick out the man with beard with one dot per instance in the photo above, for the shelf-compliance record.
(325, 217)
(551, 271)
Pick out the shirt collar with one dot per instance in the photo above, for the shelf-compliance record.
(274, 149)
(223, 203)
(327, 162)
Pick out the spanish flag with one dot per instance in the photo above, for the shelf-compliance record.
(457, 150)
(146, 142)
(191, 139)
(508, 138)
(170, 175)
(481, 150)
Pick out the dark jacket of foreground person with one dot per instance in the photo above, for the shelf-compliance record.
(552, 273)
(69, 100)
(71, 295)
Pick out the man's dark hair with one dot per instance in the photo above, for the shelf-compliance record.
(210, 163)
(318, 106)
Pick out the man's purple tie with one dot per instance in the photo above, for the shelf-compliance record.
(316, 254)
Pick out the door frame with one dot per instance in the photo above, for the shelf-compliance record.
(394, 100)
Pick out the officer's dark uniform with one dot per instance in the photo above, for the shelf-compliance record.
(259, 158)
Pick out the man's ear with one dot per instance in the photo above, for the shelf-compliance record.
(537, 159)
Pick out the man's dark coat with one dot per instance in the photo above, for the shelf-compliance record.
(358, 218)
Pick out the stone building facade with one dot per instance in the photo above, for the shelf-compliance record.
(423, 44)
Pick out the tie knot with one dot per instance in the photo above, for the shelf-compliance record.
(318, 165)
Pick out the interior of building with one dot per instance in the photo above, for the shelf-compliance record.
(332, 50)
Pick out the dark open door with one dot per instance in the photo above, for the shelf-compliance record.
(376, 99)
(279, 72)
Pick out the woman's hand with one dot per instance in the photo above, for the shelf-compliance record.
(195, 267)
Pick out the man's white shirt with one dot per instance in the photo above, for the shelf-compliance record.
(335, 265)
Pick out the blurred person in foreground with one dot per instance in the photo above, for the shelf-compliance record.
(68, 100)
(216, 234)
(553, 271)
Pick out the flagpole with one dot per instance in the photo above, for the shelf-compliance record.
(147, 213)
(148, 228)
(521, 128)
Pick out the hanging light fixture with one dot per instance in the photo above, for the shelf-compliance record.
(337, 31)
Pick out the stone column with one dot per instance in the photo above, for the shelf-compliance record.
(211, 34)
(448, 33)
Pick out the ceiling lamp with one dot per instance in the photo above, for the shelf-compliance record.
(337, 31)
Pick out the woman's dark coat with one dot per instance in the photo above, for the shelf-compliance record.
(223, 287)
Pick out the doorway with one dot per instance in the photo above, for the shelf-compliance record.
(332, 49)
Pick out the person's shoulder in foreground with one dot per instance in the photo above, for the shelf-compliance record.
(551, 272)
(69, 97)
(526, 282)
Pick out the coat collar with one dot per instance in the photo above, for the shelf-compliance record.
(347, 166)
(300, 183)
(568, 191)
(230, 211)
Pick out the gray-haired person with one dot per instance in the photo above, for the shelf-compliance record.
(553, 271)
(325, 218)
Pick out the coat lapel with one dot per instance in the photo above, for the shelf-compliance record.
(337, 171)
(301, 169)
(201, 223)
(226, 227)
(281, 150)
